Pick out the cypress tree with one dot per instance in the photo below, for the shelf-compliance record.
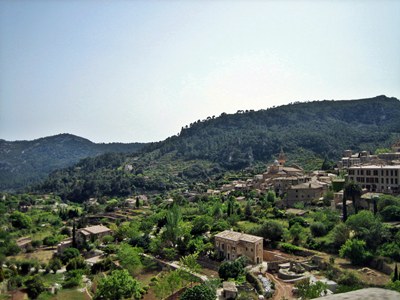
(344, 206)
(396, 274)
(229, 208)
(73, 234)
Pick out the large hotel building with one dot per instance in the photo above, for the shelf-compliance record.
(376, 178)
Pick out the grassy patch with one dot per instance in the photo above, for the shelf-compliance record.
(41, 255)
(67, 294)
(246, 226)
(51, 278)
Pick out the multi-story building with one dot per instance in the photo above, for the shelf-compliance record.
(305, 192)
(377, 178)
(231, 245)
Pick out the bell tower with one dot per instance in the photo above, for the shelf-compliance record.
(282, 157)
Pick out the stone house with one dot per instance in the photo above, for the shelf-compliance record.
(64, 245)
(92, 233)
(24, 243)
(305, 192)
(231, 245)
(229, 289)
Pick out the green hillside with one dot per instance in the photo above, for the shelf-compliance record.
(321, 128)
(26, 162)
(308, 132)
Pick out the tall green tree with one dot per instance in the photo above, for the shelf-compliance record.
(368, 228)
(354, 191)
(117, 286)
(308, 290)
(199, 292)
(129, 258)
(174, 218)
(34, 286)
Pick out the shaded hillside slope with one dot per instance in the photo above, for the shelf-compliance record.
(26, 162)
(205, 149)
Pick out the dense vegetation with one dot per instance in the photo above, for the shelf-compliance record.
(182, 232)
(26, 162)
(308, 133)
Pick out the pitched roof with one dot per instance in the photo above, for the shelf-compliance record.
(95, 229)
(229, 286)
(306, 185)
(238, 236)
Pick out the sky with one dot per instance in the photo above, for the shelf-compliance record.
(138, 71)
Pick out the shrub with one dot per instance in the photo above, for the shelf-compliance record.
(391, 213)
(255, 282)
(318, 229)
(349, 278)
(68, 254)
(231, 269)
(395, 286)
(37, 243)
(34, 286)
(199, 292)
(391, 250)
(73, 278)
(301, 221)
(355, 250)
(76, 263)
(50, 241)
(289, 248)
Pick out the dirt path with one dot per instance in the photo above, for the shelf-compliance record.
(282, 290)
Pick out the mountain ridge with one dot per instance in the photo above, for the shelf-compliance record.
(26, 162)
(308, 133)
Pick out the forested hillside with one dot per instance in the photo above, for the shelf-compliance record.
(26, 162)
(308, 132)
(319, 127)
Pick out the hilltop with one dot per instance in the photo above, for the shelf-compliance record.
(27, 162)
(322, 128)
(308, 133)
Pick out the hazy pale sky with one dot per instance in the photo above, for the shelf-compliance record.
(129, 71)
